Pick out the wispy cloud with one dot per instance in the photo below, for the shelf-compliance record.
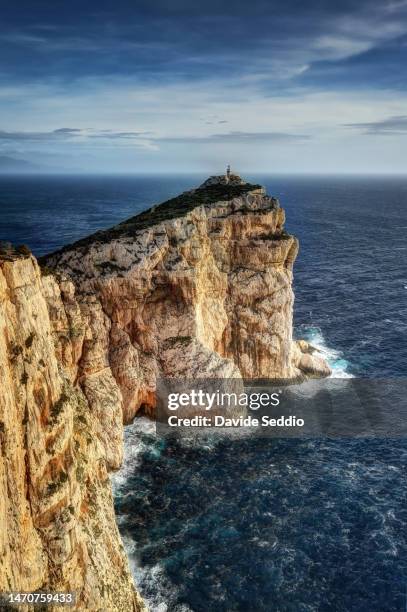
(62, 134)
(238, 137)
(275, 43)
(113, 135)
(391, 125)
(232, 81)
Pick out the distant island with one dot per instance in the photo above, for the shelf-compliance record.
(11, 165)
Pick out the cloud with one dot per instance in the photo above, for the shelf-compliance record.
(270, 43)
(391, 125)
(59, 134)
(67, 131)
(65, 134)
(146, 139)
(112, 135)
(278, 73)
(238, 138)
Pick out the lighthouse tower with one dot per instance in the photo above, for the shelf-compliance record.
(228, 173)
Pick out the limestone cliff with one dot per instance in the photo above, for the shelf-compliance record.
(57, 524)
(199, 286)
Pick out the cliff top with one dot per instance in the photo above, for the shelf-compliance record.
(223, 179)
(8, 252)
(205, 195)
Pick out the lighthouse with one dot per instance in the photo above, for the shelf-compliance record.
(228, 178)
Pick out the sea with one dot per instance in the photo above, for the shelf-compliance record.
(250, 523)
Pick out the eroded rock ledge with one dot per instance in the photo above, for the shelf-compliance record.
(199, 286)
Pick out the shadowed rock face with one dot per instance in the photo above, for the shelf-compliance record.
(199, 286)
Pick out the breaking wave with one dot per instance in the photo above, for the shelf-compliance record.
(337, 362)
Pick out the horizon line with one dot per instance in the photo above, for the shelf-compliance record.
(173, 173)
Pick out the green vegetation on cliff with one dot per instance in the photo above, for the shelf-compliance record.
(8, 252)
(170, 209)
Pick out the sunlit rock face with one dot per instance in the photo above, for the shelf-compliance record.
(197, 287)
(57, 523)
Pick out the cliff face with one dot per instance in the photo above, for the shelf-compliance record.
(199, 286)
(57, 524)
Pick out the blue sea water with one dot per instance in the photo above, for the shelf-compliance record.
(255, 524)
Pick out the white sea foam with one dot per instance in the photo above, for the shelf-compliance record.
(159, 593)
(134, 447)
(338, 364)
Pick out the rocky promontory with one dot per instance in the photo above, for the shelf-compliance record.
(199, 286)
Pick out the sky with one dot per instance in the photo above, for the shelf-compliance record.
(276, 86)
